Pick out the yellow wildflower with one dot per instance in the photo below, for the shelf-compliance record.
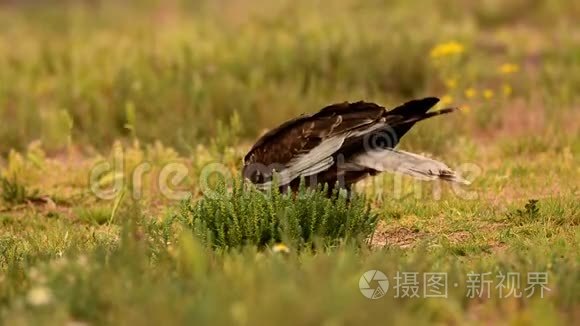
(446, 100)
(508, 68)
(470, 93)
(447, 49)
(281, 248)
(507, 89)
(451, 83)
(488, 94)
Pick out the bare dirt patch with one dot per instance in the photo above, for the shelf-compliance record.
(459, 236)
(397, 236)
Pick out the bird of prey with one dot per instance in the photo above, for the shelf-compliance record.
(342, 144)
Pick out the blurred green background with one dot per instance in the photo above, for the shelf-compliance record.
(91, 72)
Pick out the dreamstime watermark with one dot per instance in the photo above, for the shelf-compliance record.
(374, 284)
(108, 179)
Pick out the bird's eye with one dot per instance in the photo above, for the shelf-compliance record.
(258, 177)
(255, 176)
(257, 173)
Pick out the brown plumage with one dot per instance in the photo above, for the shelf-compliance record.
(342, 144)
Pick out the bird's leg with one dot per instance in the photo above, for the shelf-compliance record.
(348, 188)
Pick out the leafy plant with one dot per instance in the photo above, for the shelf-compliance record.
(530, 213)
(14, 192)
(246, 216)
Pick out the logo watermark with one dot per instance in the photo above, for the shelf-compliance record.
(374, 284)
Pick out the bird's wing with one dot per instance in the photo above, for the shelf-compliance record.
(417, 166)
(317, 159)
(306, 147)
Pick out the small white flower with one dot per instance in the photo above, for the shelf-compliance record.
(39, 296)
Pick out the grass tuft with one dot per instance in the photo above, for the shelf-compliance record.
(528, 214)
(246, 216)
(14, 192)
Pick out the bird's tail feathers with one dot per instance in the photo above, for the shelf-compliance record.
(417, 166)
(427, 115)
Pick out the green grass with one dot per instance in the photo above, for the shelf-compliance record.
(153, 273)
(174, 83)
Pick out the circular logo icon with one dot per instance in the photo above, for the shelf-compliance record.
(373, 284)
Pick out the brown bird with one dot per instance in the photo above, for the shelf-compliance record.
(342, 144)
